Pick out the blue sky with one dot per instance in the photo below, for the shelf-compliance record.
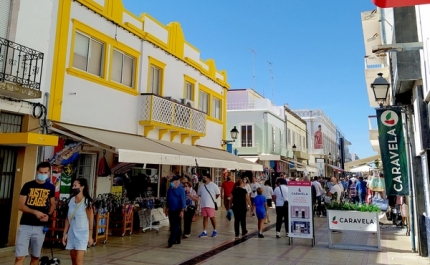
(316, 49)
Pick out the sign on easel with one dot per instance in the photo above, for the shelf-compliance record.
(300, 212)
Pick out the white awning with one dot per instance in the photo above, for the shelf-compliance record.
(366, 160)
(242, 163)
(252, 159)
(269, 157)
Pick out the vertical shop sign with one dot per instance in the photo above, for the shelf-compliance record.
(393, 151)
(300, 209)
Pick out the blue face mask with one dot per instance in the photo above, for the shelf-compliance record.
(42, 177)
(172, 184)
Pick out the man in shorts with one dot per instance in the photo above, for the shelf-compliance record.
(208, 193)
(37, 203)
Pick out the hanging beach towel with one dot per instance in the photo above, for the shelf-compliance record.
(103, 170)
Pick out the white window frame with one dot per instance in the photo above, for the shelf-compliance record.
(289, 135)
(122, 67)
(253, 134)
(213, 108)
(160, 76)
(189, 87)
(89, 54)
(208, 106)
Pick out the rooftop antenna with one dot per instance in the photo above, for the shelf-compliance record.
(253, 71)
(271, 80)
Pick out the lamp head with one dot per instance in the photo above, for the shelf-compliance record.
(380, 89)
(234, 132)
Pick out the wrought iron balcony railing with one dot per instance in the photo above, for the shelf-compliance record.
(158, 109)
(20, 64)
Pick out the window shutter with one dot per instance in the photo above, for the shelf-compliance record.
(4, 17)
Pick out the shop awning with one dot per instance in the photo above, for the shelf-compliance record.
(269, 157)
(335, 168)
(243, 164)
(369, 159)
(252, 159)
(130, 148)
(303, 167)
(203, 157)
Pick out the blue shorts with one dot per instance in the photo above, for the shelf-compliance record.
(261, 214)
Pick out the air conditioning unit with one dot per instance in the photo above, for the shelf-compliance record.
(187, 102)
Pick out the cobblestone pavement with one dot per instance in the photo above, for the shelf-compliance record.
(151, 248)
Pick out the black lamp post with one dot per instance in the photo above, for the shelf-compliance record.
(380, 89)
(294, 147)
(233, 133)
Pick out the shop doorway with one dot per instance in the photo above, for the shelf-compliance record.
(86, 169)
(7, 177)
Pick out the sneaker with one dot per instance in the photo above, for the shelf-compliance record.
(203, 234)
(286, 234)
(244, 233)
(260, 235)
(186, 236)
(214, 233)
(278, 235)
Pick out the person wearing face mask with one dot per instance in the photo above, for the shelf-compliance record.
(190, 200)
(78, 227)
(37, 203)
(175, 207)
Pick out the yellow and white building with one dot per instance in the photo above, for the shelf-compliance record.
(132, 86)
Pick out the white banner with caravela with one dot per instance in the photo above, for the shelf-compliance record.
(352, 221)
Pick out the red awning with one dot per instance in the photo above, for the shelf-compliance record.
(335, 168)
(399, 3)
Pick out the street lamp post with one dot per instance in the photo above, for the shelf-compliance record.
(233, 133)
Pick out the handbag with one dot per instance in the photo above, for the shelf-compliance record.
(216, 206)
(285, 201)
(74, 212)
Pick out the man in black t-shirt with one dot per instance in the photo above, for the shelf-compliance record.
(37, 203)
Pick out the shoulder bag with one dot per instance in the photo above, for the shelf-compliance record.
(285, 201)
(77, 207)
(216, 206)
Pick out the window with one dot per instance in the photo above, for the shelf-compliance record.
(156, 73)
(204, 102)
(216, 108)
(189, 90)
(281, 138)
(122, 68)
(289, 136)
(88, 54)
(246, 135)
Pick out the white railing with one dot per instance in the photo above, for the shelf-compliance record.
(257, 104)
(375, 63)
(159, 109)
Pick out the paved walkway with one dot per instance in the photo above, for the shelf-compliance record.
(150, 248)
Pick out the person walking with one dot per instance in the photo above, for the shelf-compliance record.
(361, 190)
(190, 200)
(335, 191)
(254, 186)
(319, 192)
(37, 203)
(175, 207)
(78, 228)
(281, 203)
(226, 189)
(268, 193)
(353, 191)
(239, 204)
(260, 204)
(208, 193)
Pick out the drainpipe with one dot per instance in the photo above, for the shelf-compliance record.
(411, 183)
(384, 37)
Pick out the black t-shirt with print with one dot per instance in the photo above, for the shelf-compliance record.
(38, 197)
(239, 199)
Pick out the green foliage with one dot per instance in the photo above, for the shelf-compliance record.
(347, 206)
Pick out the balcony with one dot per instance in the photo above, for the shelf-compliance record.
(374, 65)
(20, 71)
(373, 133)
(301, 153)
(169, 116)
